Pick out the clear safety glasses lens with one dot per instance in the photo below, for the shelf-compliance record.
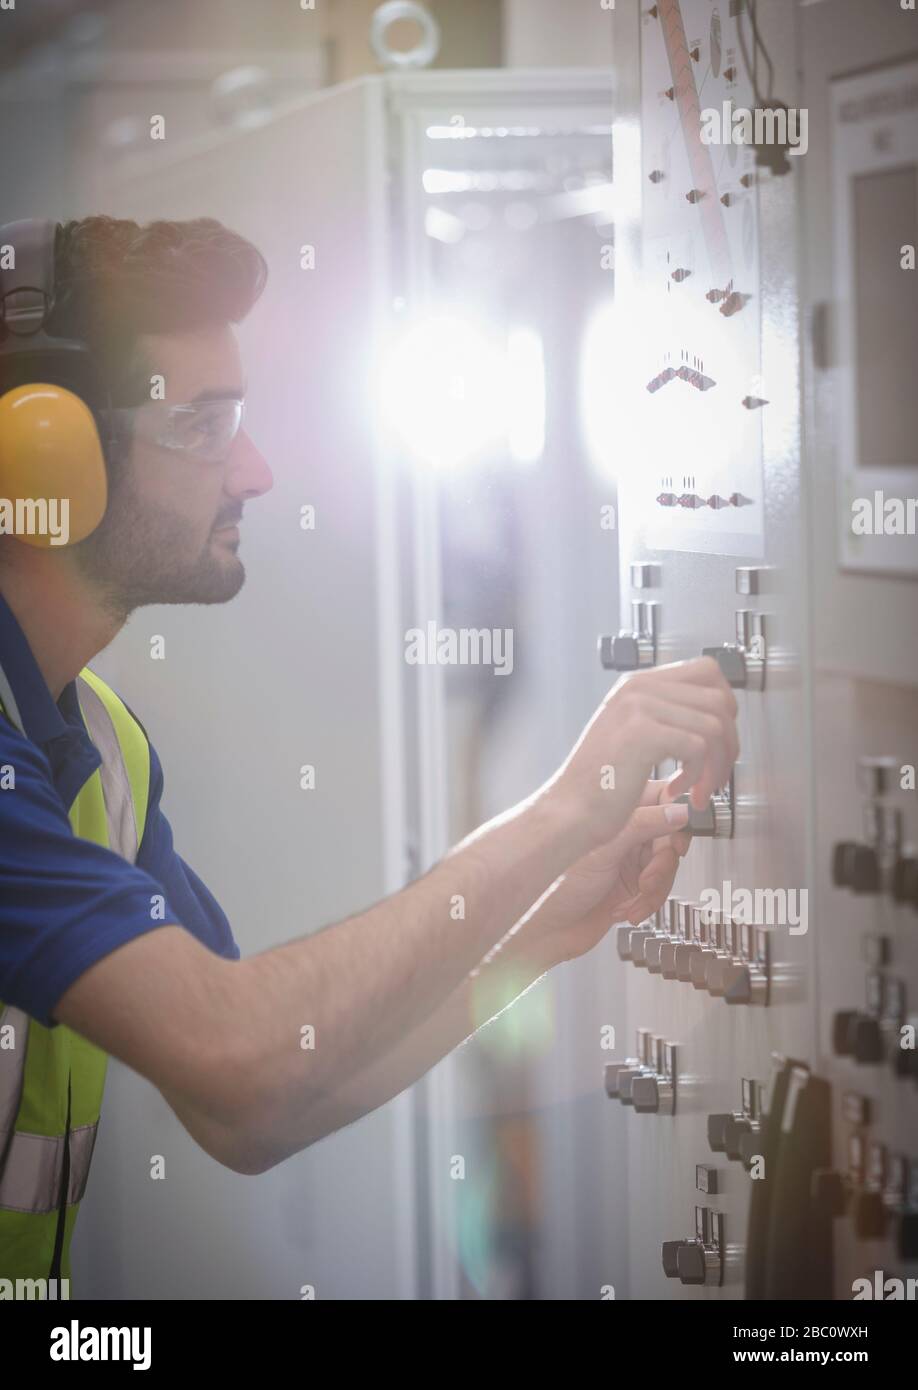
(204, 429)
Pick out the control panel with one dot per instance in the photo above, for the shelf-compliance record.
(777, 1160)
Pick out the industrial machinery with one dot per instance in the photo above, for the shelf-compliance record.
(768, 343)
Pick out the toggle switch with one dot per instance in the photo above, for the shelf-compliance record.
(626, 1079)
(866, 1037)
(653, 1095)
(637, 649)
(637, 944)
(683, 955)
(668, 958)
(864, 870)
(714, 821)
(653, 948)
(654, 1091)
(743, 662)
(719, 964)
(856, 866)
(904, 1060)
(670, 1252)
(859, 1036)
(623, 941)
(729, 1131)
(613, 1072)
(745, 982)
(717, 1133)
(700, 1265)
(699, 1261)
(905, 880)
(695, 936)
(673, 928)
(710, 949)
(644, 574)
(726, 1132)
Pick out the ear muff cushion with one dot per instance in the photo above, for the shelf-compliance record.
(50, 449)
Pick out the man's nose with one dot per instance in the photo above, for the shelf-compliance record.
(248, 474)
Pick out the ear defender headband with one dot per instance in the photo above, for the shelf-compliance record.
(51, 449)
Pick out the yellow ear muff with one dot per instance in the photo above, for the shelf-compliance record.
(51, 466)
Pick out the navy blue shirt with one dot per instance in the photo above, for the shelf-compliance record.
(64, 901)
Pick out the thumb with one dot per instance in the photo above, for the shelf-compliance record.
(653, 822)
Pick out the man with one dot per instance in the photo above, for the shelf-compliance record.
(85, 958)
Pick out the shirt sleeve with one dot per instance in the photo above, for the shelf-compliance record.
(66, 902)
(197, 908)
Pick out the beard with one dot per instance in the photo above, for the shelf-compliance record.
(143, 553)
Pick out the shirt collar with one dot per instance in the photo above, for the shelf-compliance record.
(42, 719)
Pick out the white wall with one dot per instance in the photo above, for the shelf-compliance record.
(557, 33)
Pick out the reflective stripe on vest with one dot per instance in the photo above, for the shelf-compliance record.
(110, 810)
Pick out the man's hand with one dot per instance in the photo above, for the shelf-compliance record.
(685, 711)
(624, 880)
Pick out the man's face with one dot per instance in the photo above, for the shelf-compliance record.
(169, 533)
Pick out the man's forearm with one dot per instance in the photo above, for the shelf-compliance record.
(508, 971)
(317, 1011)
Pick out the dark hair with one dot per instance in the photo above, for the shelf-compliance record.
(116, 279)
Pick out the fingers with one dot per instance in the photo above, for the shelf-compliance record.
(719, 705)
(654, 884)
(697, 685)
(659, 874)
(693, 739)
(707, 744)
(654, 791)
(699, 671)
(649, 823)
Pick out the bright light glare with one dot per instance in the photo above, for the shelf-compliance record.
(597, 385)
(525, 395)
(449, 393)
(441, 391)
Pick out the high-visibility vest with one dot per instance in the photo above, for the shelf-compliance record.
(52, 1079)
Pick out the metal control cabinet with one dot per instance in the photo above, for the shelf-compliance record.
(784, 1168)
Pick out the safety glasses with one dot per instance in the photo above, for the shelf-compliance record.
(203, 430)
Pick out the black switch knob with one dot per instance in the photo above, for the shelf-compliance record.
(734, 1130)
(629, 651)
(864, 870)
(842, 855)
(691, 1263)
(904, 1062)
(732, 662)
(612, 1072)
(869, 1215)
(745, 984)
(645, 1094)
(717, 1137)
(866, 1040)
(905, 881)
(830, 1193)
(625, 1081)
(637, 944)
(842, 1025)
(670, 1253)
